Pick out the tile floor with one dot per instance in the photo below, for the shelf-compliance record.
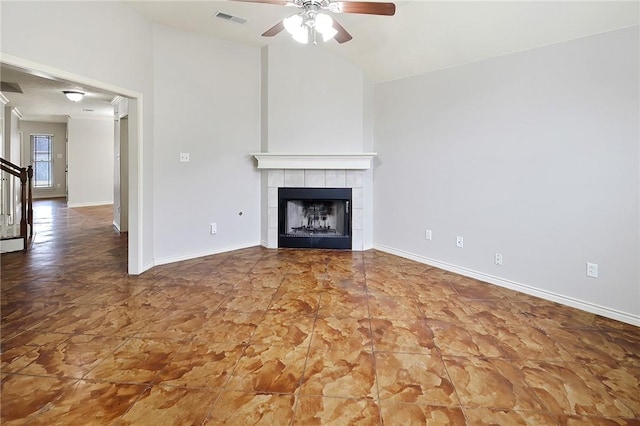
(279, 337)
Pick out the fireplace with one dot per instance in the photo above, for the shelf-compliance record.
(350, 171)
(314, 218)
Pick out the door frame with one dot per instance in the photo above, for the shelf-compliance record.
(135, 261)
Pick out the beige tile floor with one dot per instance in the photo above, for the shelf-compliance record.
(279, 337)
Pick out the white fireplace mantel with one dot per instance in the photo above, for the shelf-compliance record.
(346, 161)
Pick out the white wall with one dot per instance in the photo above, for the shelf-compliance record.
(2, 112)
(315, 101)
(534, 155)
(121, 166)
(90, 159)
(104, 41)
(13, 153)
(368, 146)
(59, 131)
(207, 104)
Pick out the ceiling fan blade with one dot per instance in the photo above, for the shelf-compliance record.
(278, 2)
(369, 8)
(342, 36)
(274, 30)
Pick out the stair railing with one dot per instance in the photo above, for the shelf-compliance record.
(25, 174)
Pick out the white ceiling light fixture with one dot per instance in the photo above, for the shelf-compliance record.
(73, 95)
(310, 23)
(324, 25)
(295, 26)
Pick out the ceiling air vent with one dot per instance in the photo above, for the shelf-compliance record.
(231, 18)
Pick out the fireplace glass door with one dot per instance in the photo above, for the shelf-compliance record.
(314, 218)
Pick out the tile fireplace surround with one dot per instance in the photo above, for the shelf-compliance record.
(316, 171)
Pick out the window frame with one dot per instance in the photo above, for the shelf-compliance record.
(36, 162)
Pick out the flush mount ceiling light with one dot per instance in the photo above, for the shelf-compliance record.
(312, 21)
(73, 95)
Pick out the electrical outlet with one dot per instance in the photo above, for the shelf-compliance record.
(427, 234)
(498, 259)
(184, 157)
(592, 270)
(459, 241)
(214, 228)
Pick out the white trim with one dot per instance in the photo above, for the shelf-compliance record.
(172, 259)
(92, 204)
(99, 117)
(16, 111)
(45, 195)
(3, 99)
(338, 161)
(513, 285)
(32, 160)
(134, 267)
(116, 100)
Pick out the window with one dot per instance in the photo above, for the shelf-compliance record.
(42, 146)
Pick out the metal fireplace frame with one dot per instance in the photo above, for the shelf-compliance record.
(314, 194)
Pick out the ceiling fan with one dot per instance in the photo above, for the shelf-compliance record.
(313, 20)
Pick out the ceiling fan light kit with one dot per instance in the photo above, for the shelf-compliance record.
(324, 25)
(295, 26)
(300, 26)
(311, 20)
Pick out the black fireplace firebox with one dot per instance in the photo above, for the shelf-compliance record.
(314, 218)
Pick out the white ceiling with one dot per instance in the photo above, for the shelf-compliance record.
(42, 98)
(423, 36)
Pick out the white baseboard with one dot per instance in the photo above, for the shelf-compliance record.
(48, 196)
(171, 259)
(146, 267)
(523, 288)
(91, 204)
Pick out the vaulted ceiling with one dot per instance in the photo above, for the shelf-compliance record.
(422, 36)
